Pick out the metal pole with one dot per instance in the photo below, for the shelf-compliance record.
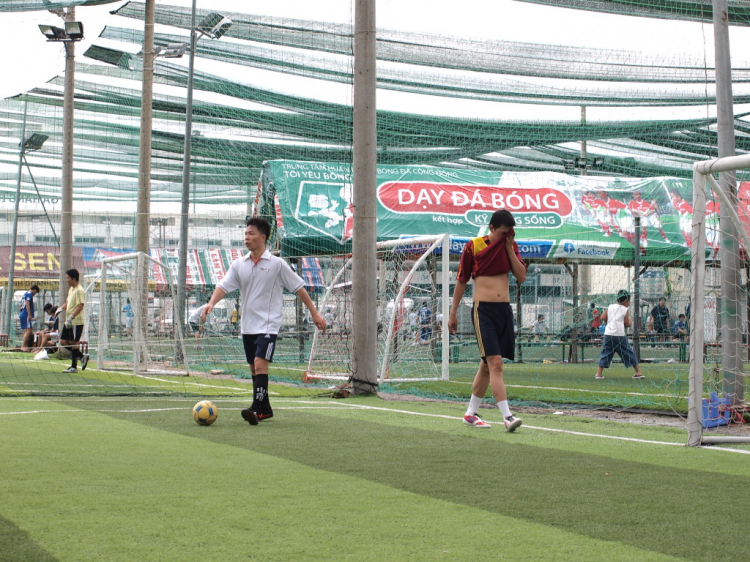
(12, 256)
(365, 149)
(697, 295)
(144, 168)
(144, 161)
(729, 252)
(66, 195)
(637, 290)
(185, 205)
(39, 195)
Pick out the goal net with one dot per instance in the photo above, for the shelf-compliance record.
(141, 313)
(413, 307)
(719, 352)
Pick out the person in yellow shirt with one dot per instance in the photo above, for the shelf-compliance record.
(73, 329)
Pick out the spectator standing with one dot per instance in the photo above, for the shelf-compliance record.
(659, 319)
(425, 324)
(26, 317)
(617, 318)
(128, 310)
(73, 328)
(596, 320)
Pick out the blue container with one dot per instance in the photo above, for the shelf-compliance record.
(716, 411)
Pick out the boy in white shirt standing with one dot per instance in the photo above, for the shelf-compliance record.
(617, 318)
(261, 278)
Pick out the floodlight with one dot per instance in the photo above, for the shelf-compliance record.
(569, 164)
(580, 163)
(171, 51)
(74, 30)
(34, 142)
(214, 25)
(52, 33)
(598, 162)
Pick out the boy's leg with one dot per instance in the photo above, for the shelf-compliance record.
(497, 384)
(478, 390)
(605, 359)
(261, 403)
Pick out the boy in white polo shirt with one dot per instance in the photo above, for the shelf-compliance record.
(261, 278)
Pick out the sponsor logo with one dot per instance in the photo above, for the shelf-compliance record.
(326, 207)
(475, 202)
(534, 248)
(579, 249)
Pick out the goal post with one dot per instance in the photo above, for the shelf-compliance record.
(704, 182)
(413, 306)
(151, 342)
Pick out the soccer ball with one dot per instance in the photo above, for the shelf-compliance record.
(205, 413)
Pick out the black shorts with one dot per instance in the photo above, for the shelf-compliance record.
(259, 345)
(493, 325)
(73, 333)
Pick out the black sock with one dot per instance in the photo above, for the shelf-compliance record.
(260, 393)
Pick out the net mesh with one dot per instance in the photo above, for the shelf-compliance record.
(276, 91)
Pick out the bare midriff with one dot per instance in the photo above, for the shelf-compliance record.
(492, 288)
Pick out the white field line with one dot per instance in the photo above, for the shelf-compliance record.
(572, 389)
(338, 406)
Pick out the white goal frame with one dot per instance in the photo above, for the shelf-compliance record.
(437, 241)
(142, 262)
(703, 174)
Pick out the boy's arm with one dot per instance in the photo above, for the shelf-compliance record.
(604, 316)
(458, 294)
(317, 319)
(516, 265)
(219, 294)
(627, 321)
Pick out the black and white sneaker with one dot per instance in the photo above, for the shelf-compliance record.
(84, 362)
(511, 424)
(70, 370)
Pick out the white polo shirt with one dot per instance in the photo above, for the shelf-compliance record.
(261, 288)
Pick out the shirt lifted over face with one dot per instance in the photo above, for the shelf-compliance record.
(482, 258)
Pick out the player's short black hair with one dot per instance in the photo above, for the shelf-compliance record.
(622, 296)
(681, 316)
(73, 274)
(34, 287)
(502, 217)
(47, 307)
(263, 226)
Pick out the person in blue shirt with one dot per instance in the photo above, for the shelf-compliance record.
(425, 321)
(680, 329)
(26, 317)
(128, 310)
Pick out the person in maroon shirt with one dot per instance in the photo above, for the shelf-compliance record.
(489, 260)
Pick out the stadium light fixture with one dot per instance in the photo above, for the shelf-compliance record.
(34, 142)
(171, 51)
(73, 31)
(214, 25)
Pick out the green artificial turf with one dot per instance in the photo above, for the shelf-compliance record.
(358, 479)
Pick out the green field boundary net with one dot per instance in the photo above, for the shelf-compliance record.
(457, 115)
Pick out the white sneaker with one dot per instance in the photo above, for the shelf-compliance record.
(511, 424)
(70, 370)
(476, 421)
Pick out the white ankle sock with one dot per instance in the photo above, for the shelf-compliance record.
(503, 405)
(473, 405)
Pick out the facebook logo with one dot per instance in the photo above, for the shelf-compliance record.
(569, 248)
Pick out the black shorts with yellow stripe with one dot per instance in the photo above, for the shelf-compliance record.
(493, 325)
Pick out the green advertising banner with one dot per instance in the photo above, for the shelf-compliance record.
(559, 217)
